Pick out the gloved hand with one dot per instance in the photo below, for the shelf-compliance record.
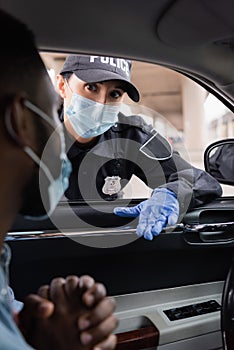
(155, 213)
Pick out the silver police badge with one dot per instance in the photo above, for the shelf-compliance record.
(112, 185)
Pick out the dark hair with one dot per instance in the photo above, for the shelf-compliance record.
(20, 62)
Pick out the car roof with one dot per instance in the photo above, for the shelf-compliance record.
(192, 36)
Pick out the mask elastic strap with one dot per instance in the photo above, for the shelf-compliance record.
(68, 86)
(39, 162)
(44, 116)
(39, 112)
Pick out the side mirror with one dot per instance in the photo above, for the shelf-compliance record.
(219, 161)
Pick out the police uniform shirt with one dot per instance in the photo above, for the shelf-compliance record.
(116, 155)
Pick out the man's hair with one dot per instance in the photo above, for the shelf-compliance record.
(20, 62)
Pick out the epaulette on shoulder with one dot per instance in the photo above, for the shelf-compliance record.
(136, 121)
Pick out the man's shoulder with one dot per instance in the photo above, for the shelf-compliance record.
(10, 336)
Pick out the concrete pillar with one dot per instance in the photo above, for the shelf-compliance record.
(54, 62)
(193, 97)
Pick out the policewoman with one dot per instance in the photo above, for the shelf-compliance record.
(107, 147)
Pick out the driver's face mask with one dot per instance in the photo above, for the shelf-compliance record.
(57, 186)
(89, 118)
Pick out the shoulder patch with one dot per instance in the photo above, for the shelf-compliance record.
(157, 147)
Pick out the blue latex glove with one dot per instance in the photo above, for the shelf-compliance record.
(155, 213)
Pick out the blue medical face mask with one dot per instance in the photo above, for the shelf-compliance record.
(57, 186)
(89, 118)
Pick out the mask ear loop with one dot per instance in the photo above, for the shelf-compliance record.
(13, 135)
(67, 85)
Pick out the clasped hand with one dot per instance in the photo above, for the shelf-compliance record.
(72, 313)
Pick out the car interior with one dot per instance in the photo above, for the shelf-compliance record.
(175, 292)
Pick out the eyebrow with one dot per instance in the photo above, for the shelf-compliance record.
(121, 87)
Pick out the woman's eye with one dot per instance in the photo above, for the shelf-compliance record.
(116, 94)
(91, 87)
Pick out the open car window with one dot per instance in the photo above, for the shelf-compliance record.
(184, 113)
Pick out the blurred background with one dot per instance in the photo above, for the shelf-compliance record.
(181, 110)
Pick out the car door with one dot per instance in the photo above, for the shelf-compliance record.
(169, 290)
(182, 271)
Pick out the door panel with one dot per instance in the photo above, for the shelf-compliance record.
(147, 309)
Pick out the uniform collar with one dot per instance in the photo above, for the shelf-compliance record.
(112, 137)
(98, 147)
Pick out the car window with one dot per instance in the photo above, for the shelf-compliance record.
(182, 111)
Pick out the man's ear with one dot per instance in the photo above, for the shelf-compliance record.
(61, 85)
(18, 121)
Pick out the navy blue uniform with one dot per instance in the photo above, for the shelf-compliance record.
(116, 154)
